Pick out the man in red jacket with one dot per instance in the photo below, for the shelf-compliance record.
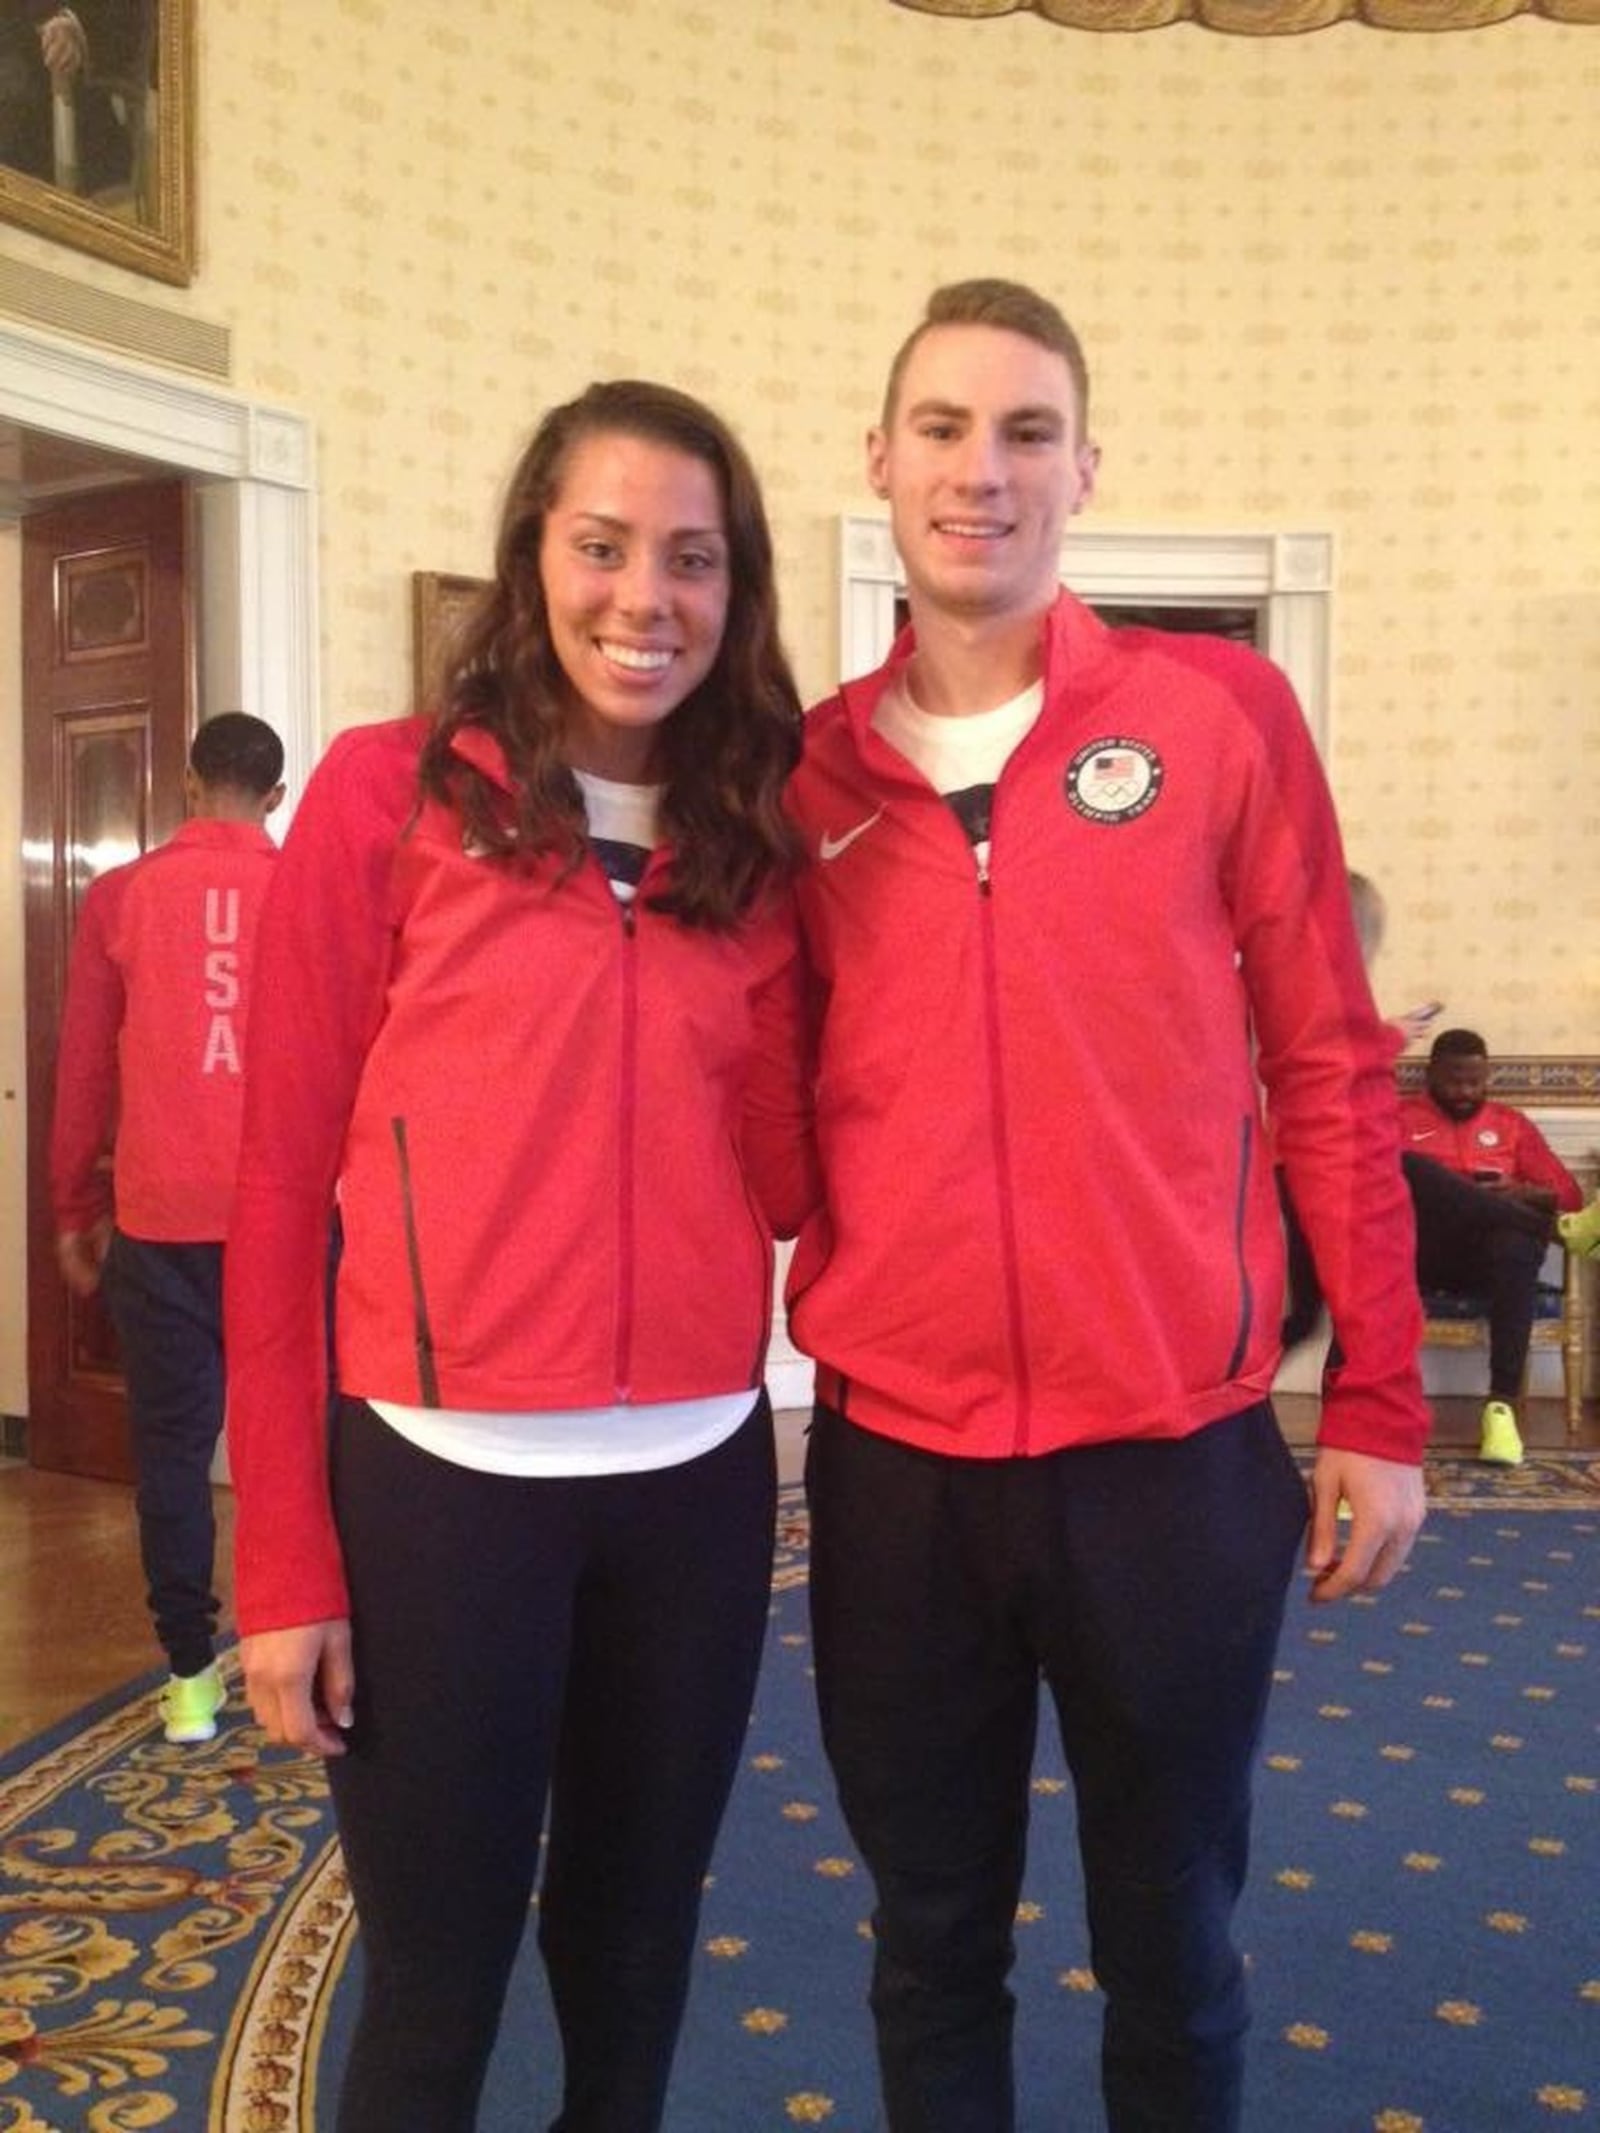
(1075, 895)
(1487, 1187)
(152, 1058)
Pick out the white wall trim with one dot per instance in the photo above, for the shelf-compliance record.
(255, 470)
(261, 535)
(1291, 574)
(791, 1381)
(46, 384)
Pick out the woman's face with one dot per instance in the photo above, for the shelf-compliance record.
(634, 566)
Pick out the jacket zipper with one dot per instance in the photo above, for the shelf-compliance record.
(1010, 1260)
(427, 1367)
(627, 1128)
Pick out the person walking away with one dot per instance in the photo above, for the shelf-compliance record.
(152, 1055)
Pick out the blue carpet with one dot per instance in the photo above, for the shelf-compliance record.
(177, 1949)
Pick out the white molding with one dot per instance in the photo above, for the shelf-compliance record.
(277, 637)
(789, 1374)
(265, 534)
(1289, 574)
(71, 391)
(791, 1382)
(254, 469)
(1573, 1131)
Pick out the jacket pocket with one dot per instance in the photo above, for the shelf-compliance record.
(1241, 1204)
(422, 1331)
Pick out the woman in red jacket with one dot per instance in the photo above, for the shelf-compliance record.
(529, 1007)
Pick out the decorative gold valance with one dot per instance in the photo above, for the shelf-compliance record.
(1268, 18)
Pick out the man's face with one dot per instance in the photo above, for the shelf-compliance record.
(982, 464)
(1458, 1084)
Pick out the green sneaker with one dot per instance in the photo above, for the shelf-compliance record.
(189, 1706)
(1501, 1441)
(1580, 1233)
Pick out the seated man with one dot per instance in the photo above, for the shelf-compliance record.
(1486, 1186)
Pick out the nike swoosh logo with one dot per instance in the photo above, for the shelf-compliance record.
(831, 846)
(1424, 1133)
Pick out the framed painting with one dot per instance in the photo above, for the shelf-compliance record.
(440, 603)
(97, 129)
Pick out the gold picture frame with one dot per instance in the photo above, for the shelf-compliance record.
(135, 96)
(440, 603)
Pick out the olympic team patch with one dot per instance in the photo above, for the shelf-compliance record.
(1114, 780)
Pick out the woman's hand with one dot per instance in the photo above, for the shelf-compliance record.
(301, 1684)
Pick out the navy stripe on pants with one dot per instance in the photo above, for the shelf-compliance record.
(596, 1639)
(1144, 1583)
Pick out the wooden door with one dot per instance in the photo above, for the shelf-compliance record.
(107, 694)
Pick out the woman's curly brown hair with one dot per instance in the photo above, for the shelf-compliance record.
(725, 751)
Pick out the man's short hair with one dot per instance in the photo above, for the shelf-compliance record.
(237, 753)
(1010, 305)
(1458, 1044)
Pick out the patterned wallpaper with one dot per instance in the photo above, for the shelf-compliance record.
(1348, 280)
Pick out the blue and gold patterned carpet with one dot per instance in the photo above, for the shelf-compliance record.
(177, 1947)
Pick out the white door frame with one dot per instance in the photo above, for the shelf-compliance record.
(254, 469)
(1290, 575)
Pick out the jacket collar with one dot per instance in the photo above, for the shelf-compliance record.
(479, 747)
(1075, 643)
(208, 831)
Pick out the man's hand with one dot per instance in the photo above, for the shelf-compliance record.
(301, 1684)
(1387, 1507)
(63, 46)
(81, 1253)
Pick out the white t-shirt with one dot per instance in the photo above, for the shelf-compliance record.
(961, 757)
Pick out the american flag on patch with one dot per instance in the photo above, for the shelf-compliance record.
(1115, 766)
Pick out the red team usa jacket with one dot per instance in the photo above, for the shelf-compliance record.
(1051, 1217)
(1495, 1142)
(535, 1111)
(153, 1036)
